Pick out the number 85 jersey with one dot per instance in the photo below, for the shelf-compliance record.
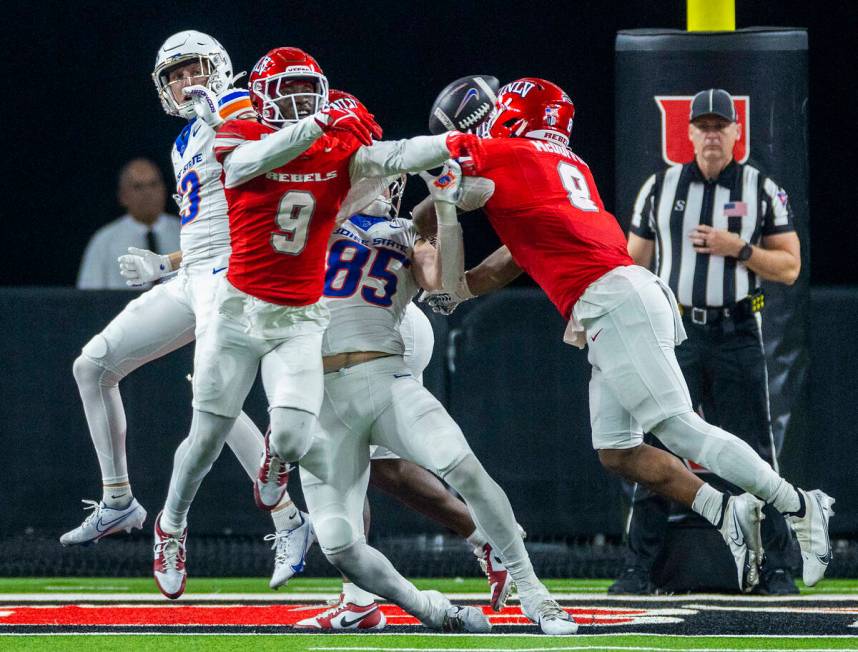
(368, 284)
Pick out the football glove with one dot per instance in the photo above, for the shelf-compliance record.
(205, 105)
(361, 126)
(141, 266)
(467, 147)
(443, 303)
(445, 188)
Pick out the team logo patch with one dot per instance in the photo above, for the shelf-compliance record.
(444, 180)
(552, 115)
(676, 148)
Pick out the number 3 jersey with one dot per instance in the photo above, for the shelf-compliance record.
(199, 186)
(543, 203)
(280, 221)
(368, 284)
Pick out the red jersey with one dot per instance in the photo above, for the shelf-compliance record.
(280, 221)
(546, 209)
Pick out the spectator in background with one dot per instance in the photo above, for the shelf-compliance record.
(713, 229)
(142, 193)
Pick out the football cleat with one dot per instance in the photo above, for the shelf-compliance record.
(169, 565)
(345, 616)
(811, 530)
(552, 619)
(633, 581)
(104, 521)
(269, 487)
(500, 581)
(740, 529)
(290, 550)
(448, 617)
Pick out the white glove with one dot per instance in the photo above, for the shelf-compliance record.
(141, 266)
(444, 303)
(445, 187)
(205, 105)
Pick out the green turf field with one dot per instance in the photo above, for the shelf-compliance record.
(589, 638)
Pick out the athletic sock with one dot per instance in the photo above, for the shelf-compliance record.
(477, 540)
(354, 594)
(286, 517)
(117, 496)
(171, 525)
(788, 500)
(710, 503)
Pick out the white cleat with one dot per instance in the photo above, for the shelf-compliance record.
(346, 616)
(500, 581)
(269, 487)
(447, 617)
(104, 521)
(811, 530)
(740, 530)
(290, 550)
(169, 565)
(553, 619)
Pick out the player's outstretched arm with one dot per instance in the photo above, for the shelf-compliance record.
(497, 270)
(389, 157)
(251, 158)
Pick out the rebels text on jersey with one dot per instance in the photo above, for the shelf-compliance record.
(202, 203)
(546, 209)
(368, 284)
(280, 221)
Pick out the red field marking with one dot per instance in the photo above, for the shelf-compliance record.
(262, 615)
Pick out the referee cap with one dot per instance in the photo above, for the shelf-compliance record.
(714, 101)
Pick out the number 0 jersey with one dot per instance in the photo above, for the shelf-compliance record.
(544, 205)
(202, 203)
(280, 221)
(368, 284)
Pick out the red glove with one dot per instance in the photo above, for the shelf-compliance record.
(362, 127)
(466, 146)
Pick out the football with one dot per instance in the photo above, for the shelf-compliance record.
(463, 104)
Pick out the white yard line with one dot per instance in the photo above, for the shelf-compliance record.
(272, 597)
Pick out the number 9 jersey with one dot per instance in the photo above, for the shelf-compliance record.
(280, 221)
(543, 203)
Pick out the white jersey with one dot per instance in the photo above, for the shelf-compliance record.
(202, 202)
(368, 284)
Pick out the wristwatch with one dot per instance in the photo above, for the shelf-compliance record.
(745, 253)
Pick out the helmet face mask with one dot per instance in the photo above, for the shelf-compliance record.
(287, 84)
(183, 50)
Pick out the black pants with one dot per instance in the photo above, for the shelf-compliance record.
(725, 368)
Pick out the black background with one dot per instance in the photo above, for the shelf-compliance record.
(80, 100)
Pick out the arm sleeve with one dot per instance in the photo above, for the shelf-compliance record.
(243, 160)
(776, 210)
(474, 193)
(643, 215)
(388, 157)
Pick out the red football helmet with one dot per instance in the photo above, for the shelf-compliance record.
(287, 84)
(534, 108)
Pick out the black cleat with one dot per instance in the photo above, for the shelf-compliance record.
(776, 581)
(633, 581)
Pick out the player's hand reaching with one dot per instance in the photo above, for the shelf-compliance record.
(361, 125)
(466, 147)
(443, 303)
(446, 186)
(141, 266)
(205, 105)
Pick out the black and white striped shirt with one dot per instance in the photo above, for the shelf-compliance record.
(741, 200)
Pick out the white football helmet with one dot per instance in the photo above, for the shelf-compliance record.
(184, 47)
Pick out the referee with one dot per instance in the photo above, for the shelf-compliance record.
(712, 229)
